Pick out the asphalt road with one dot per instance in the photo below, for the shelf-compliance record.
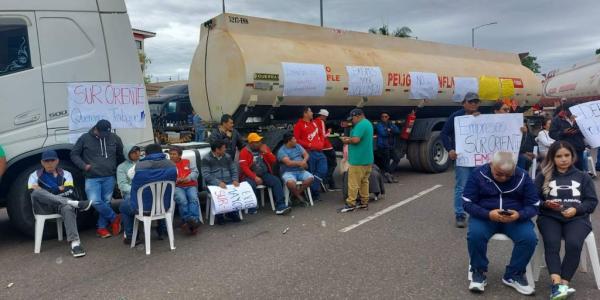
(412, 251)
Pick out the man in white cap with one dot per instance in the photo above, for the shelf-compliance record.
(327, 147)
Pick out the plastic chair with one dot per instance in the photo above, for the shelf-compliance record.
(157, 212)
(589, 246)
(591, 164)
(287, 192)
(528, 269)
(210, 214)
(262, 189)
(40, 221)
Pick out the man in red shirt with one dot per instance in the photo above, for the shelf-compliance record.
(327, 147)
(256, 168)
(186, 191)
(312, 139)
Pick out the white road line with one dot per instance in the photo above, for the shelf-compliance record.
(390, 208)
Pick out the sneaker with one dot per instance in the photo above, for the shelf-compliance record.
(77, 251)
(103, 233)
(559, 292)
(127, 241)
(116, 225)
(347, 208)
(363, 206)
(570, 291)
(84, 205)
(252, 211)
(235, 217)
(519, 283)
(461, 222)
(478, 282)
(283, 211)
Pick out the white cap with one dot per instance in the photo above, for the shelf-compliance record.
(323, 112)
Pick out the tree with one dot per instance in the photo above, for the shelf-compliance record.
(402, 32)
(597, 51)
(530, 62)
(144, 62)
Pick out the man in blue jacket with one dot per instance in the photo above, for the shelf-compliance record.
(386, 157)
(470, 107)
(501, 198)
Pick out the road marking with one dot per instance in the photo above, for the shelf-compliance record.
(390, 208)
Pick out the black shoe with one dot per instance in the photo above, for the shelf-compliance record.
(220, 220)
(127, 241)
(283, 211)
(461, 222)
(347, 208)
(363, 206)
(84, 205)
(77, 251)
(234, 218)
(160, 234)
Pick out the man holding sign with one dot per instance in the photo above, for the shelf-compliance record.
(470, 107)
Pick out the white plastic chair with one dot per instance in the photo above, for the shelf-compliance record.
(157, 212)
(40, 221)
(287, 192)
(589, 246)
(591, 164)
(528, 269)
(210, 214)
(262, 189)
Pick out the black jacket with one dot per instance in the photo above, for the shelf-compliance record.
(103, 154)
(234, 142)
(557, 132)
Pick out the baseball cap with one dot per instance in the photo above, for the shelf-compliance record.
(49, 155)
(323, 112)
(355, 112)
(103, 127)
(253, 137)
(470, 96)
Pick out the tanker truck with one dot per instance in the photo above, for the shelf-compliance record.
(575, 84)
(237, 70)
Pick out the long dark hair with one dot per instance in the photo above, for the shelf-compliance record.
(548, 165)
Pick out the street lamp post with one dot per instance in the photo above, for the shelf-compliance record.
(223, 6)
(477, 27)
(321, 12)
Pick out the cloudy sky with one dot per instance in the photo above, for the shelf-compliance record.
(558, 32)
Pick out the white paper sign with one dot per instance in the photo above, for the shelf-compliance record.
(478, 138)
(364, 81)
(232, 199)
(587, 116)
(464, 85)
(423, 85)
(304, 80)
(121, 104)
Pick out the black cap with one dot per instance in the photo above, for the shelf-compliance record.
(103, 127)
(49, 155)
(355, 112)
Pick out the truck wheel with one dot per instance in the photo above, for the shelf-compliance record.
(413, 156)
(19, 202)
(433, 156)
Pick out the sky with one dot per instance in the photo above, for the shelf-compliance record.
(559, 33)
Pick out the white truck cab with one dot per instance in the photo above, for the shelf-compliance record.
(44, 46)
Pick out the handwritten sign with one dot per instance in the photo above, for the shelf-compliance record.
(304, 80)
(464, 85)
(232, 199)
(121, 104)
(478, 138)
(489, 88)
(587, 116)
(364, 81)
(423, 85)
(508, 88)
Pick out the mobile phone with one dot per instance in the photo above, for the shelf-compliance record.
(505, 212)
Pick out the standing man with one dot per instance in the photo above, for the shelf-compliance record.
(310, 138)
(387, 158)
(470, 107)
(327, 147)
(125, 173)
(225, 132)
(564, 128)
(97, 153)
(360, 158)
(198, 127)
(186, 191)
(256, 168)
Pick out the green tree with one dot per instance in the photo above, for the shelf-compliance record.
(530, 62)
(597, 51)
(144, 62)
(402, 32)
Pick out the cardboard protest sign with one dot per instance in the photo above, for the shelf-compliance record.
(587, 116)
(478, 138)
(364, 81)
(489, 88)
(423, 85)
(304, 80)
(232, 198)
(464, 85)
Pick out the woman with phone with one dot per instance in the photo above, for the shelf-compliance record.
(568, 198)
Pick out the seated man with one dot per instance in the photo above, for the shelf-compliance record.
(501, 198)
(294, 161)
(256, 165)
(124, 174)
(219, 169)
(186, 192)
(152, 168)
(52, 192)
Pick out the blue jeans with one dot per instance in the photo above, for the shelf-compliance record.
(188, 203)
(598, 159)
(274, 183)
(317, 165)
(99, 191)
(127, 214)
(461, 175)
(520, 232)
(199, 134)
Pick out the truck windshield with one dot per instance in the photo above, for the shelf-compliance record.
(155, 108)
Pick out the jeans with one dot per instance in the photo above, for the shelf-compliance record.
(99, 191)
(461, 175)
(524, 162)
(188, 203)
(48, 203)
(274, 183)
(520, 232)
(597, 159)
(331, 164)
(317, 165)
(581, 162)
(199, 134)
(127, 215)
(358, 184)
(387, 160)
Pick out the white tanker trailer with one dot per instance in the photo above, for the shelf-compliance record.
(237, 70)
(578, 83)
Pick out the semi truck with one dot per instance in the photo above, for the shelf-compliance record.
(237, 70)
(577, 83)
